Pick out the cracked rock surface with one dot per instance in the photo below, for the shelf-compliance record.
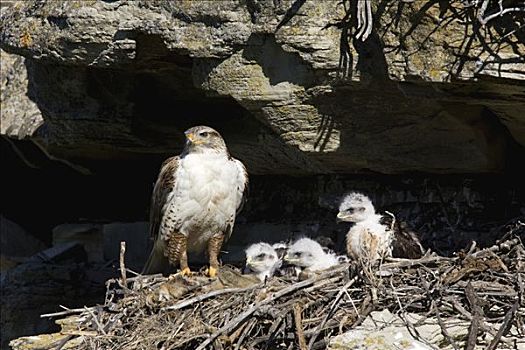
(121, 80)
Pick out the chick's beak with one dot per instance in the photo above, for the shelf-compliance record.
(252, 263)
(341, 217)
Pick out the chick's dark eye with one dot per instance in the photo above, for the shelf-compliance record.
(298, 254)
(261, 256)
(204, 134)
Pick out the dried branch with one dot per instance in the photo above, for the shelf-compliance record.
(65, 312)
(330, 311)
(123, 278)
(444, 331)
(477, 316)
(365, 21)
(501, 12)
(504, 327)
(299, 327)
(203, 297)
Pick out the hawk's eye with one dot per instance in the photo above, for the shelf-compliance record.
(204, 134)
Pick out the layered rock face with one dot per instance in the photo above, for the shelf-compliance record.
(428, 91)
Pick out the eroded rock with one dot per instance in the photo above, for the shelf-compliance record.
(20, 116)
(35, 288)
(384, 331)
(122, 80)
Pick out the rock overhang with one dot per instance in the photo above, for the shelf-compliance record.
(142, 72)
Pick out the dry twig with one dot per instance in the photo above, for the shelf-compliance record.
(123, 278)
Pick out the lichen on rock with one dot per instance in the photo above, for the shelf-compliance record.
(330, 103)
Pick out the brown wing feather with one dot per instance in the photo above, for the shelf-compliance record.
(163, 186)
(243, 190)
(157, 261)
(406, 242)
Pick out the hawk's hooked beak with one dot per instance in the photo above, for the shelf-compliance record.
(190, 136)
(192, 139)
(341, 217)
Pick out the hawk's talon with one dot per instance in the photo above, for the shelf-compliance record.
(211, 272)
(185, 271)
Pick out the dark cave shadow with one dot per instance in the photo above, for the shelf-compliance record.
(277, 64)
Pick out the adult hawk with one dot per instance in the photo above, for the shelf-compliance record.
(374, 236)
(194, 203)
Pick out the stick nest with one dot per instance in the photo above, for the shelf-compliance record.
(484, 288)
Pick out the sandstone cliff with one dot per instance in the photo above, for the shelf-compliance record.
(430, 90)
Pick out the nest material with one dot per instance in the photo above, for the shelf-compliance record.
(483, 288)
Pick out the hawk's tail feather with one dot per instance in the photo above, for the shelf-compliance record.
(157, 262)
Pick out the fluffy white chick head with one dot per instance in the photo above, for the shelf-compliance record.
(305, 252)
(262, 258)
(355, 207)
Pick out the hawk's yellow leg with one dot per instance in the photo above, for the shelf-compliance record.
(214, 248)
(177, 253)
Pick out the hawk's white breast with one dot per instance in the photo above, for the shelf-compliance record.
(208, 190)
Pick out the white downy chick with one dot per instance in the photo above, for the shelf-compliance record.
(368, 239)
(262, 260)
(308, 254)
(375, 236)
